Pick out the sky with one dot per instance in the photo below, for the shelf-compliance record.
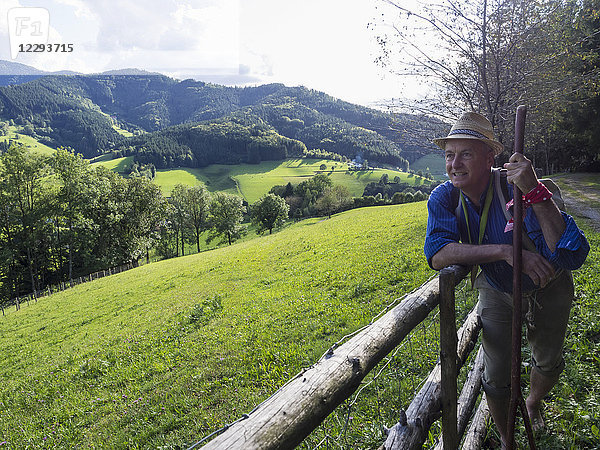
(321, 44)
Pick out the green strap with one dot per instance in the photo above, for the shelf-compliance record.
(482, 222)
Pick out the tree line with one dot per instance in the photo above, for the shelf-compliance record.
(263, 123)
(498, 54)
(62, 218)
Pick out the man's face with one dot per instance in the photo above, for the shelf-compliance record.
(468, 164)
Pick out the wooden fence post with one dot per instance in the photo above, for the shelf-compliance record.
(448, 344)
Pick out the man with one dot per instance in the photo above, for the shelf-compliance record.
(469, 208)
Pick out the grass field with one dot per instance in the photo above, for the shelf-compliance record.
(118, 165)
(15, 134)
(162, 355)
(122, 131)
(251, 181)
(433, 163)
(165, 353)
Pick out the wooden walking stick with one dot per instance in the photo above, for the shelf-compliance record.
(516, 396)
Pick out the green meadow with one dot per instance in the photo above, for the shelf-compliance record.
(251, 181)
(433, 163)
(15, 134)
(166, 353)
(116, 165)
(162, 355)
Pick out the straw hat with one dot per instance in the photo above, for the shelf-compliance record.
(472, 125)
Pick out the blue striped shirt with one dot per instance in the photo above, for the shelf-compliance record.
(442, 229)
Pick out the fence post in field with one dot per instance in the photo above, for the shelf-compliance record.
(448, 344)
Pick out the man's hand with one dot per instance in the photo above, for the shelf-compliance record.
(536, 267)
(519, 171)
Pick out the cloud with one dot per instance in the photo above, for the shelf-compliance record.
(80, 8)
(159, 24)
(5, 5)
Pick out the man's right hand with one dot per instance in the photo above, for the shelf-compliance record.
(536, 267)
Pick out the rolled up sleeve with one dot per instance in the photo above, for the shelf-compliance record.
(572, 247)
(442, 228)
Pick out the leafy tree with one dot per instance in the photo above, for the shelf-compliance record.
(198, 201)
(70, 169)
(397, 198)
(144, 208)
(270, 211)
(180, 215)
(334, 199)
(419, 196)
(22, 173)
(226, 213)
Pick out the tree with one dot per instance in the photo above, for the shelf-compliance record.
(270, 211)
(22, 174)
(398, 198)
(70, 169)
(490, 56)
(333, 200)
(226, 213)
(180, 215)
(198, 200)
(144, 208)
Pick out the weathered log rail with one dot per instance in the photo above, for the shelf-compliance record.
(286, 418)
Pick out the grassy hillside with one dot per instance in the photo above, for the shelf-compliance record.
(15, 134)
(166, 353)
(254, 180)
(117, 165)
(433, 163)
(162, 355)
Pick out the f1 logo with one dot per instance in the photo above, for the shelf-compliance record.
(27, 26)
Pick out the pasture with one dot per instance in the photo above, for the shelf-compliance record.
(16, 134)
(165, 353)
(251, 181)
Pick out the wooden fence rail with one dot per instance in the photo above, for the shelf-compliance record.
(295, 410)
(412, 429)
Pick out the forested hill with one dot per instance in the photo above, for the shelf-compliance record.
(240, 124)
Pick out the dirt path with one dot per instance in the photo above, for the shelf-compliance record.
(581, 192)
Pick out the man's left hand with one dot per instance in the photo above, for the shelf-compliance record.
(519, 171)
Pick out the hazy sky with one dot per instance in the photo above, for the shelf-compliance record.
(321, 44)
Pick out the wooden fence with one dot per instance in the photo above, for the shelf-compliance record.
(286, 418)
(51, 289)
